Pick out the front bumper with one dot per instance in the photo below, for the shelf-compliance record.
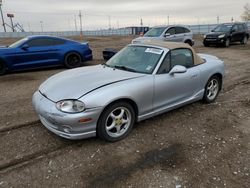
(63, 124)
(214, 40)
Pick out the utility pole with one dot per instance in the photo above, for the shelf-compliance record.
(11, 16)
(80, 16)
(1, 2)
(41, 22)
(168, 19)
(29, 26)
(218, 19)
(118, 26)
(75, 23)
(109, 22)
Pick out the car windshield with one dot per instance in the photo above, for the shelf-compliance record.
(18, 43)
(223, 28)
(136, 59)
(155, 32)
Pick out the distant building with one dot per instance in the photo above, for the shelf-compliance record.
(139, 30)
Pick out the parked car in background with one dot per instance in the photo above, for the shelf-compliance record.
(174, 33)
(43, 51)
(139, 82)
(225, 34)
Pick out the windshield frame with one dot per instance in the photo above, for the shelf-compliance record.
(153, 70)
(19, 43)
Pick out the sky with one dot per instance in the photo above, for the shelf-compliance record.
(63, 15)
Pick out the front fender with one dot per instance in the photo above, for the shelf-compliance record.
(140, 90)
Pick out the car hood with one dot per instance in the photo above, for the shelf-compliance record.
(75, 83)
(215, 33)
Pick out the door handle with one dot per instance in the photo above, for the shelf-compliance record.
(194, 75)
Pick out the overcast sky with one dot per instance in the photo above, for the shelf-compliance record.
(60, 14)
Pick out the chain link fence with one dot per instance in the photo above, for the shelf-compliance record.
(197, 29)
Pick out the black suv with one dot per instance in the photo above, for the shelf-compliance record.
(224, 34)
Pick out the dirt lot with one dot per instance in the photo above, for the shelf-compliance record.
(195, 146)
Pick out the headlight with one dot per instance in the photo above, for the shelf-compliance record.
(70, 106)
(205, 36)
(221, 36)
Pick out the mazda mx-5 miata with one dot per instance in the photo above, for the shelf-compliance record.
(43, 51)
(139, 82)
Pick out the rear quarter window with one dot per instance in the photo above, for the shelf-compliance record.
(179, 30)
(59, 42)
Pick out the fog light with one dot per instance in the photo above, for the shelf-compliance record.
(66, 130)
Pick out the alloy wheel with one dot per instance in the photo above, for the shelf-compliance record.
(118, 122)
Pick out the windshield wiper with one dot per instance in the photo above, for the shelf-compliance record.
(105, 64)
(125, 68)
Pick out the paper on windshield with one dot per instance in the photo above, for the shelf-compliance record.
(154, 51)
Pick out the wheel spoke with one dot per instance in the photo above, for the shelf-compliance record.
(118, 129)
(209, 94)
(113, 116)
(124, 121)
(121, 114)
(210, 86)
(111, 126)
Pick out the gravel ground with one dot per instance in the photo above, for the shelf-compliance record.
(194, 146)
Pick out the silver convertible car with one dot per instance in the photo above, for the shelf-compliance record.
(139, 82)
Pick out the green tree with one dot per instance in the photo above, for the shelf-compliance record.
(246, 14)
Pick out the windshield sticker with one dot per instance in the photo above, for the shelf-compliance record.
(149, 68)
(154, 51)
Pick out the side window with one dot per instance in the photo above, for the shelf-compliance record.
(171, 31)
(58, 42)
(187, 30)
(179, 30)
(40, 42)
(235, 27)
(241, 27)
(182, 57)
(244, 26)
(165, 65)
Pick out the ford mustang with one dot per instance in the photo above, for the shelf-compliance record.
(43, 51)
(139, 82)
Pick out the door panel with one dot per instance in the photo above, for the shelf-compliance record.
(39, 52)
(171, 90)
(35, 57)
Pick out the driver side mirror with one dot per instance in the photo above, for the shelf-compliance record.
(167, 34)
(25, 46)
(212, 30)
(177, 69)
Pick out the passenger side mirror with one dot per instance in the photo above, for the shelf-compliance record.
(177, 69)
(167, 34)
(212, 30)
(25, 46)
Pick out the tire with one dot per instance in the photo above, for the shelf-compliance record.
(116, 122)
(189, 42)
(212, 89)
(206, 45)
(244, 40)
(72, 60)
(3, 68)
(227, 43)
